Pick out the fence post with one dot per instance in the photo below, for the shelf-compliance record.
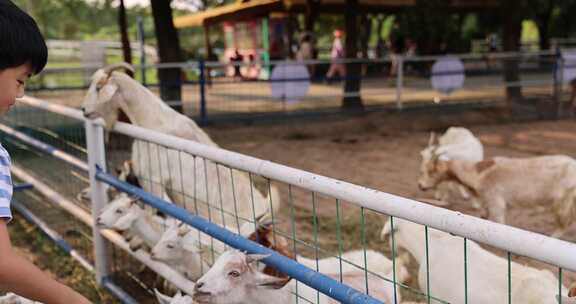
(202, 82)
(399, 82)
(98, 194)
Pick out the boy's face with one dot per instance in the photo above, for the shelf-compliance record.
(12, 84)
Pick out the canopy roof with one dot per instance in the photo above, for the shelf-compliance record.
(248, 9)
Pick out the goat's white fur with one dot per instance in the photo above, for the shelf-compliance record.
(183, 252)
(161, 170)
(123, 214)
(12, 298)
(496, 183)
(487, 273)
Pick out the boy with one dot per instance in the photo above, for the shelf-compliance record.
(23, 53)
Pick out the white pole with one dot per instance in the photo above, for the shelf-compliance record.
(98, 194)
(399, 82)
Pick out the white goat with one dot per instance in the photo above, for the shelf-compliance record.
(124, 214)
(455, 143)
(495, 183)
(234, 279)
(178, 298)
(191, 252)
(487, 273)
(186, 250)
(161, 170)
(183, 250)
(12, 298)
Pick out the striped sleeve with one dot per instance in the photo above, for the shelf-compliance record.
(5, 184)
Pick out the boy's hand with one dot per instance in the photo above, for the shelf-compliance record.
(20, 276)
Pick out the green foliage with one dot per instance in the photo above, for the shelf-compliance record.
(431, 25)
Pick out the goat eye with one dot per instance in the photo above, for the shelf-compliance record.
(119, 211)
(170, 246)
(234, 273)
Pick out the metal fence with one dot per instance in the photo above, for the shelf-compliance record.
(318, 216)
(212, 92)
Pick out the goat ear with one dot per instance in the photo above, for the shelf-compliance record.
(267, 281)
(183, 229)
(251, 258)
(107, 91)
(162, 298)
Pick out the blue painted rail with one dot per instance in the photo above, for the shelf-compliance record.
(318, 281)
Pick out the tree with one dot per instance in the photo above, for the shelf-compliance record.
(168, 51)
(122, 26)
(352, 99)
(543, 17)
(511, 14)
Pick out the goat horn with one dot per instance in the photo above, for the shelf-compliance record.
(432, 139)
(250, 258)
(261, 216)
(118, 66)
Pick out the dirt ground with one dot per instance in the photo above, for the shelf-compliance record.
(381, 151)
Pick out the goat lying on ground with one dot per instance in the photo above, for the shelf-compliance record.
(455, 143)
(495, 183)
(487, 273)
(209, 186)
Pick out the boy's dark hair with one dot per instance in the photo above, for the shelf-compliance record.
(20, 39)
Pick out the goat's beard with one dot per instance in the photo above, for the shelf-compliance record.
(110, 118)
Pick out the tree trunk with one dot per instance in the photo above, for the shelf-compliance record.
(122, 25)
(126, 49)
(311, 15)
(352, 99)
(168, 51)
(512, 16)
(365, 31)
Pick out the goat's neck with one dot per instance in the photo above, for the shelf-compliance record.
(465, 173)
(279, 296)
(142, 107)
(147, 229)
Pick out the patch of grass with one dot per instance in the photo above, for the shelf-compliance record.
(29, 242)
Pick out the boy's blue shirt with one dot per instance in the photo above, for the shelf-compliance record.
(6, 187)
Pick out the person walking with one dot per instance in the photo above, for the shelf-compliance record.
(337, 54)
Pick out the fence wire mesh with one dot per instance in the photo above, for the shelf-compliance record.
(214, 91)
(329, 235)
